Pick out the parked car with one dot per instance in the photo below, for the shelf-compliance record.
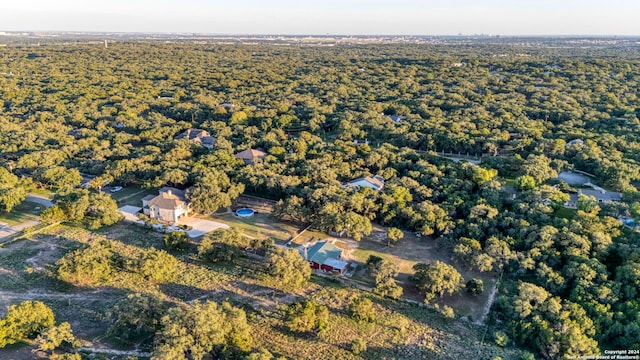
(116, 189)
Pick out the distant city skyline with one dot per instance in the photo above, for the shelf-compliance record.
(348, 17)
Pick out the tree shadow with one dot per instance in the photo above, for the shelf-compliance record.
(185, 292)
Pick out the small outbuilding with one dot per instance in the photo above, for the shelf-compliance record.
(324, 256)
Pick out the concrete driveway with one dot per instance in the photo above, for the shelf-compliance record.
(130, 213)
(201, 226)
(39, 199)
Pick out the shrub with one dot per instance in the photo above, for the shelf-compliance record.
(358, 346)
(158, 265)
(475, 286)
(25, 320)
(176, 240)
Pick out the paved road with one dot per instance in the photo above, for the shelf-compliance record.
(39, 199)
(6, 230)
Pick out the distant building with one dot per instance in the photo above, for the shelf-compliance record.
(325, 256)
(602, 196)
(198, 136)
(578, 142)
(395, 118)
(227, 105)
(373, 182)
(251, 156)
(170, 205)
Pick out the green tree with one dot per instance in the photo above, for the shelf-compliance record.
(136, 319)
(394, 235)
(362, 310)
(201, 331)
(56, 336)
(539, 167)
(89, 266)
(307, 316)
(158, 265)
(436, 279)
(223, 245)
(12, 191)
(53, 215)
(176, 240)
(102, 211)
(525, 183)
(25, 320)
(587, 203)
(287, 269)
(212, 190)
(475, 286)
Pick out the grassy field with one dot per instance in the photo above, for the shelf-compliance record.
(24, 212)
(402, 331)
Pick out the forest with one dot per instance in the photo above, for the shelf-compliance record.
(569, 278)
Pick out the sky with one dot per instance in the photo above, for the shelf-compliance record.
(320, 17)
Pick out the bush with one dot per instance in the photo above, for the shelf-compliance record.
(501, 338)
(176, 240)
(358, 346)
(362, 310)
(447, 312)
(88, 266)
(475, 286)
(55, 336)
(307, 316)
(158, 265)
(53, 215)
(25, 320)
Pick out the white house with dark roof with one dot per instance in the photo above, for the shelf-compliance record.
(168, 206)
(198, 136)
(374, 182)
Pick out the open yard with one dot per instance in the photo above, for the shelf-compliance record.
(24, 212)
(402, 331)
(260, 226)
(131, 195)
(410, 251)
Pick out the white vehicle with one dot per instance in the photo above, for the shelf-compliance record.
(116, 189)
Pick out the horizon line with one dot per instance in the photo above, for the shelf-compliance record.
(191, 33)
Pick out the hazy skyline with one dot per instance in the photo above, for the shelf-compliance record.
(496, 17)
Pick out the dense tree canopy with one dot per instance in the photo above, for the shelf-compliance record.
(325, 116)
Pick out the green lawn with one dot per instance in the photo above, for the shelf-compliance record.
(132, 195)
(48, 193)
(261, 226)
(565, 213)
(21, 213)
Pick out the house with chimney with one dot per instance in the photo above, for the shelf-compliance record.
(168, 206)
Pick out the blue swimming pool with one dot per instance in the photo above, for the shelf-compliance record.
(245, 212)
